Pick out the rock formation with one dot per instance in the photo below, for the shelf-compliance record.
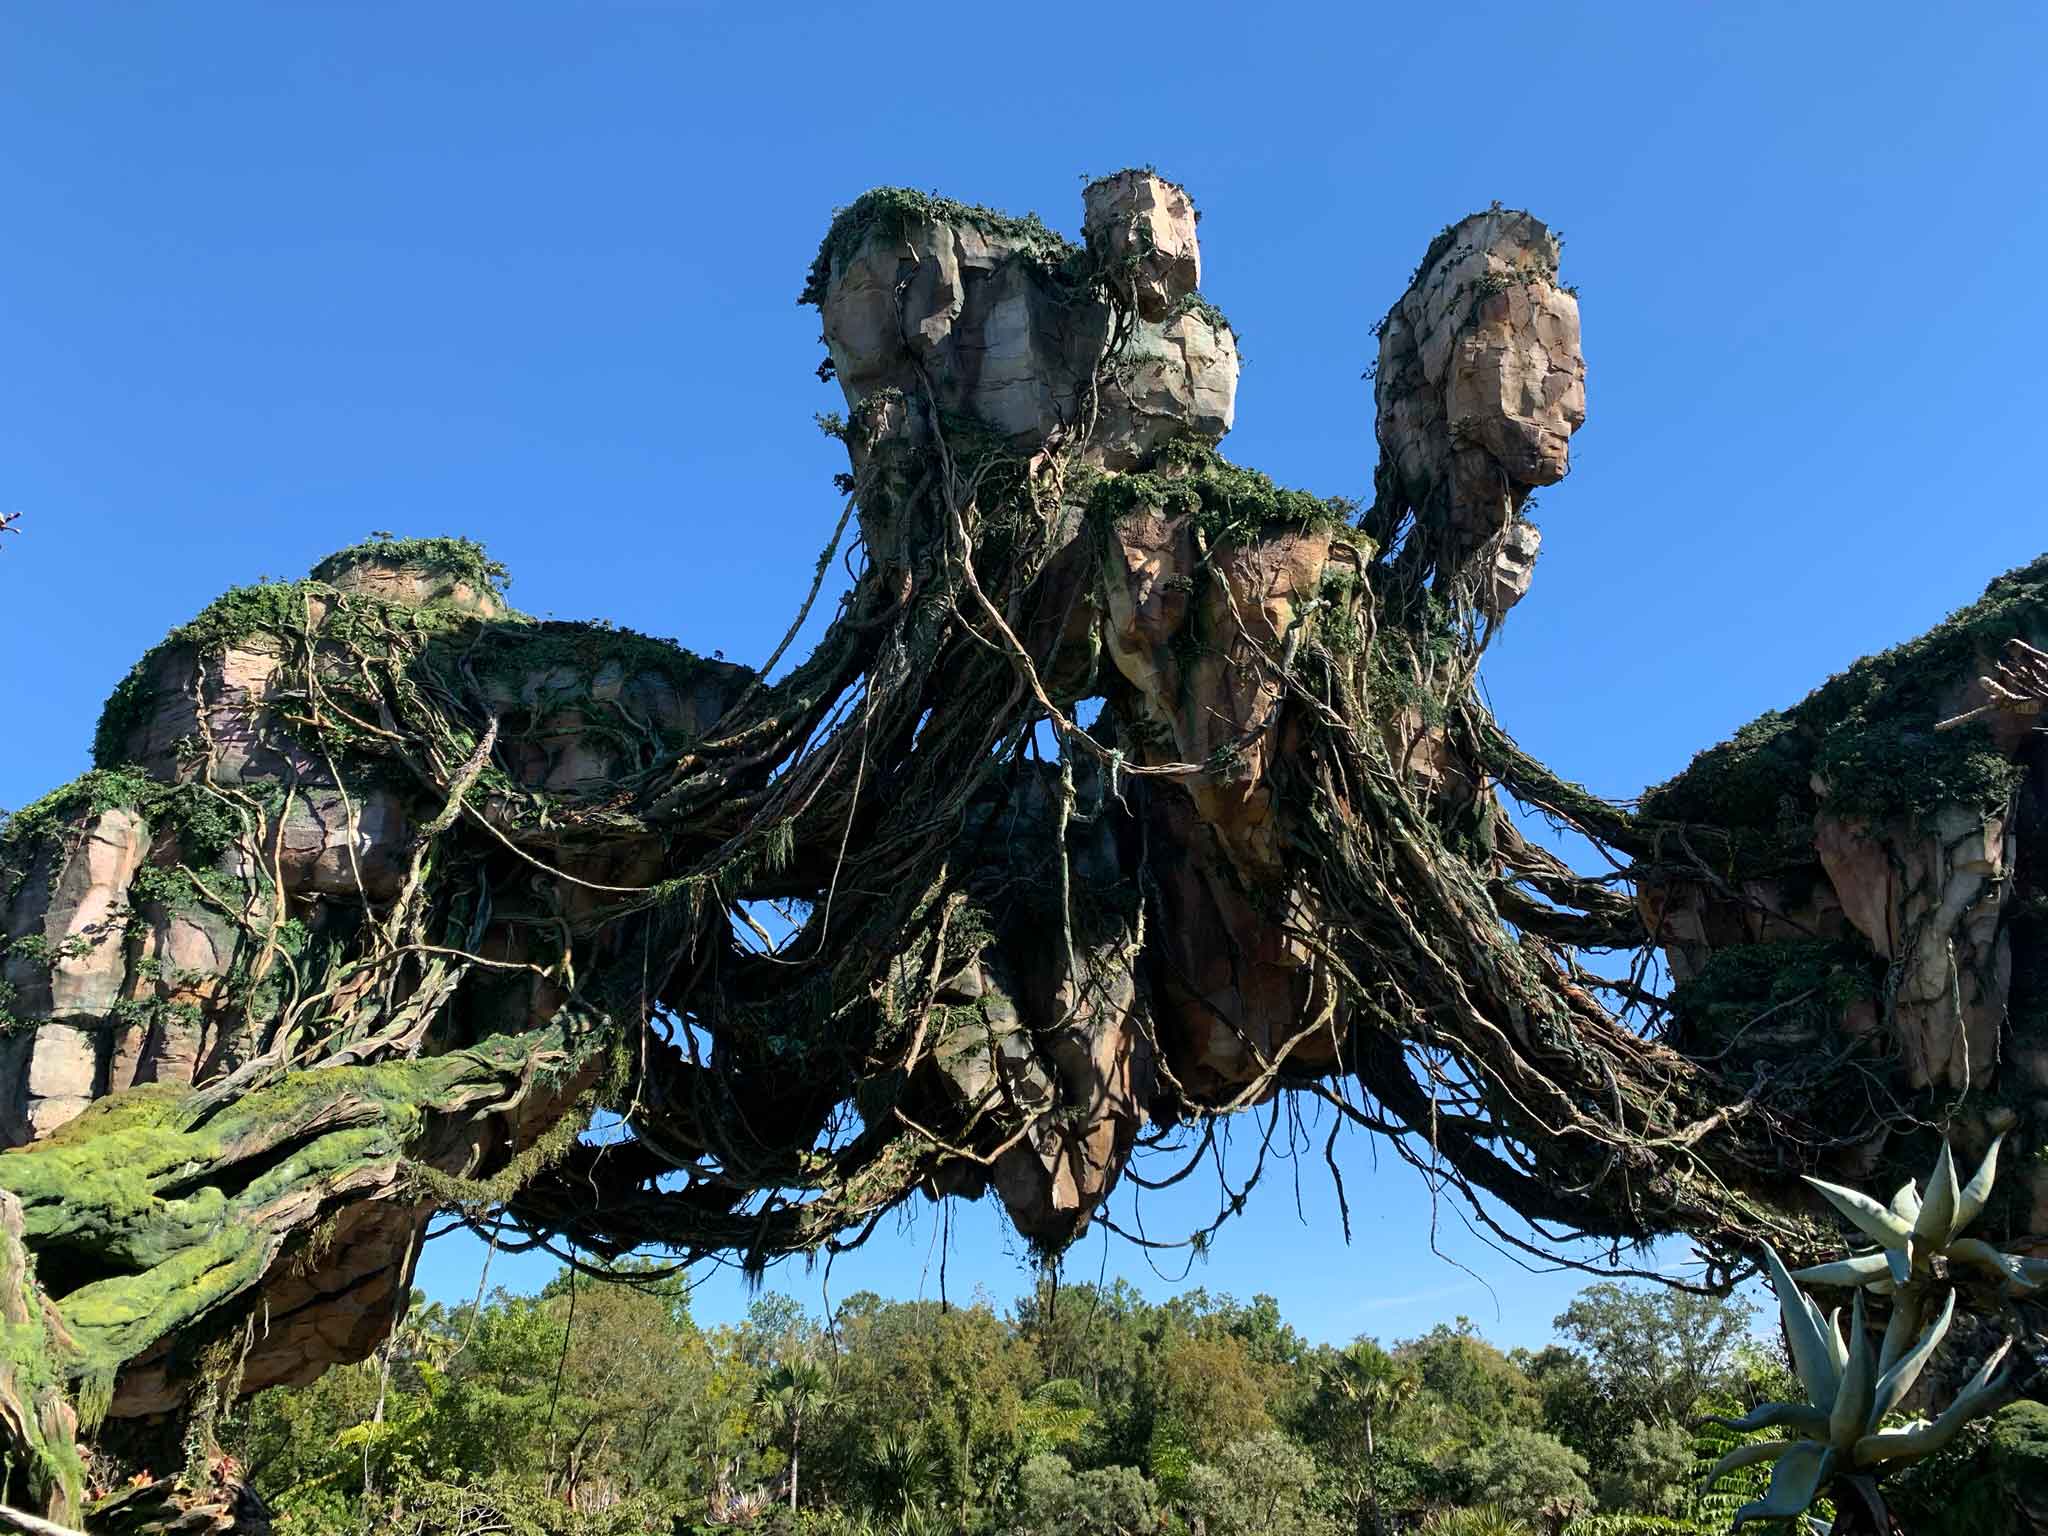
(1127, 789)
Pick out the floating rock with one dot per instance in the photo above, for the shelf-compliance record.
(1481, 380)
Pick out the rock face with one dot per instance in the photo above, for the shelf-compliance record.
(999, 319)
(1141, 227)
(1878, 841)
(159, 936)
(1053, 1042)
(1927, 895)
(1481, 381)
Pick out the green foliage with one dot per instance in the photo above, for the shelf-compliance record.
(1227, 502)
(1651, 1469)
(1803, 985)
(1525, 1468)
(1868, 734)
(1054, 1500)
(463, 559)
(1654, 1351)
(1264, 1485)
(890, 211)
(600, 1407)
(1485, 1520)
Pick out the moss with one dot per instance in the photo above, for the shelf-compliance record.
(890, 211)
(91, 794)
(1868, 733)
(464, 559)
(1210, 315)
(279, 608)
(1805, 984)
(1226, 501)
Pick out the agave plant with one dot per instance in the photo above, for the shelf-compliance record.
(1915, 1228)
(1837, 1434)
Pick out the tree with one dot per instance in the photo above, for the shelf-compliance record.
(379, 889)
(1054, 1500)
(1656, 1353)
(795, 1390)
(1264, 1485)
(1360, 1390)
(1525, 1469)
(1651, 1470)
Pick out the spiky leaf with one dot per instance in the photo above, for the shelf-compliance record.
(1897, 1381)
(1851, 1416)
(1795, 1483)
(1977, 1193)
(1879, 1224)
(1922, 1438)
(1906, 1203)
(1900, 1332)
(1935, 1224)
(1858, 1270)
(1804, 1417)
(1749, 1455)
(1812, 1359)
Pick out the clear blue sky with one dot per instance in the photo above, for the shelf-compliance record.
(278, 275)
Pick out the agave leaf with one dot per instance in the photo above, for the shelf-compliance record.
(1936, 1221)
(1838, 1351)
(1900, 1331)
(1812, 1360)
(1922, 1438)
(1795, 1482)
(1804, 1417)
(1879, 1224)
(1906, 1203)
(1899, 1261)
(1978, 1254)
(1907, 1444)
(1970, 1203)
(1851, 1416)
(1896, 1382)
(1860, 1269)
(2033, 1273)
(1749, 1455)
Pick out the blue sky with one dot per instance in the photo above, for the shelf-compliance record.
(277, 276)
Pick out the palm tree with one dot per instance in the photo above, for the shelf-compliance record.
(794, 1391)
(1369, 1384)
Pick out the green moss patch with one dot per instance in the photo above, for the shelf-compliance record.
(891, 211)
(1226, 501)
(1868, 733)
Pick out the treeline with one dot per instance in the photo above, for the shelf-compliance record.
(600, 1408)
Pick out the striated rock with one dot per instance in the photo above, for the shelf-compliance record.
(1481, 380)
(64, 968)
(221, 701)
(1927, 895)
(1048, 1063)
(332, 844)
(372, 572)
(1514, 567)
(1199, 635)
(959, 303)
(1141, 228)
(1202, 655)
(1006, 325)
(1178, 378)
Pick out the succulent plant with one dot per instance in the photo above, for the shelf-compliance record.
(1915, 1228)
(1837, 1430)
